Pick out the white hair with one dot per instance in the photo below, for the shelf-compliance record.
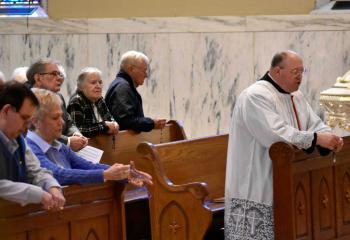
(20, 74)
(85, 72)
(132, 57)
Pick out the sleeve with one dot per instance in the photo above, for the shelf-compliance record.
(37, 175)
(69, 127)
(87, 129)
(267, 126)
(22, 193)
(124, 110)
(69, 176)
(316, 125)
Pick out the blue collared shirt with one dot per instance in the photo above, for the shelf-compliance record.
(67, 167)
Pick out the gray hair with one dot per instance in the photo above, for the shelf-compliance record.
(20, 74)
(84, 73)
(132, 57)
(278, 58)
(38, 67)
(46, 100)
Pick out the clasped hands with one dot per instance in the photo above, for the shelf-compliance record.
(330, 141)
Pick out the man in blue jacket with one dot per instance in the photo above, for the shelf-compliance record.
(122, 98)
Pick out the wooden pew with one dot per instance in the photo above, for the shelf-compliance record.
(188, 175)
(91, 212)
(122, 150)
(311, 193)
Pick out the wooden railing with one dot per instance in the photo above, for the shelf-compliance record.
(91, 212)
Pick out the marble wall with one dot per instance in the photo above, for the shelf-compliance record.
(199, 65)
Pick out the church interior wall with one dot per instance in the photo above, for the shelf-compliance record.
(199, 65)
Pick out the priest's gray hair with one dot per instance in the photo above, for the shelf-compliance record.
(279, 58)
(84, 73)
(132, 58)
(46, 99)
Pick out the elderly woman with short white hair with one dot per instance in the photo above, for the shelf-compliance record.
(87, 106)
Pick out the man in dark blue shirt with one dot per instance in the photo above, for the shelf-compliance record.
(122, 98)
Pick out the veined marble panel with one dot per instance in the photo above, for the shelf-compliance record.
(297, 23)
(13, 26)
(210, 24)
(167, 25)
(50, 26)
(207, 72)
(13, 53)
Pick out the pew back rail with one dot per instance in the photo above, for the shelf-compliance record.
(91, 212)
(122, 148)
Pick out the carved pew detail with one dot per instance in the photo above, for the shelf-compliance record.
(188, 175)
(311, 193)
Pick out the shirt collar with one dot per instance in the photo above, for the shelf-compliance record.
(12, 145)
(268, 77)
(43, 145)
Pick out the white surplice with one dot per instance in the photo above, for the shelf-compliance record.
(262, 116)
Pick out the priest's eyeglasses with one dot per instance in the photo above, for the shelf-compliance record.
(298, 71)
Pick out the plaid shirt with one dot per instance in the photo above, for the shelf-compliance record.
(82, 113)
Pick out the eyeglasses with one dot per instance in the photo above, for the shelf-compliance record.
(297, 71)
(54, 74)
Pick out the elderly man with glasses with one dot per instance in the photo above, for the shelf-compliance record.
(271, 110)
(46, 74)
(122, 98)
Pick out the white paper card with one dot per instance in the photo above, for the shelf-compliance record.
(91, 154)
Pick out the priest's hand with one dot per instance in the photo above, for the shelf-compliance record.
(330, 141)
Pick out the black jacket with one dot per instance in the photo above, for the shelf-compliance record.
(125, 104)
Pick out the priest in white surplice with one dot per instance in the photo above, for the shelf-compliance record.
(269, 111)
